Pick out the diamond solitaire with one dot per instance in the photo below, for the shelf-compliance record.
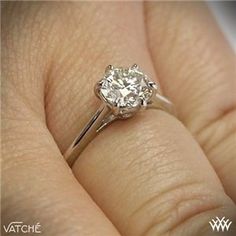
(125, 90)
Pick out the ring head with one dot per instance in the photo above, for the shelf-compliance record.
(125, 90)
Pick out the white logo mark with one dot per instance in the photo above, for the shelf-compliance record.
(17, 227)
(220, 224)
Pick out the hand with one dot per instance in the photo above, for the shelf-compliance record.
(149, 175)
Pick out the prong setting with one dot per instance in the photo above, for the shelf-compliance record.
(116, 109)
(134, 67)
(143, 104)
(125, 90)
(108, 69)
(97, 88)
(152, 85)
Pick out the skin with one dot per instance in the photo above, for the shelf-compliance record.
(149, 175)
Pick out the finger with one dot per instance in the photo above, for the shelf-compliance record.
(147, 173)
(37, 184)
(197, 71)
(150, 178)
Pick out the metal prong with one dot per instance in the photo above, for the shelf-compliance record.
(134, 66)
(116, 109)
(143, 104)
(152, 85)
(109, 68)
(97, 87)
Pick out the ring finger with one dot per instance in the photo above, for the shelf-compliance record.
(147, 173)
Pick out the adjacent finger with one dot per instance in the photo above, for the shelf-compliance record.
(38, 186)
(197, 69)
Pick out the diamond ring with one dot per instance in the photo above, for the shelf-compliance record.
(123, 92)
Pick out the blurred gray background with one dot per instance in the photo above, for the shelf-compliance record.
(225, 14)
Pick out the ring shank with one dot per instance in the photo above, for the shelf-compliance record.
(100, 119)
(87, 134)
(161, 102)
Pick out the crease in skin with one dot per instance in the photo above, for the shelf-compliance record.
(214, 127)
(37, 111)
(217, 141)
(180, 203)
(155, 227)
(228, 165)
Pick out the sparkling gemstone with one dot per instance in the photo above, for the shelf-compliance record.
(125, 88)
